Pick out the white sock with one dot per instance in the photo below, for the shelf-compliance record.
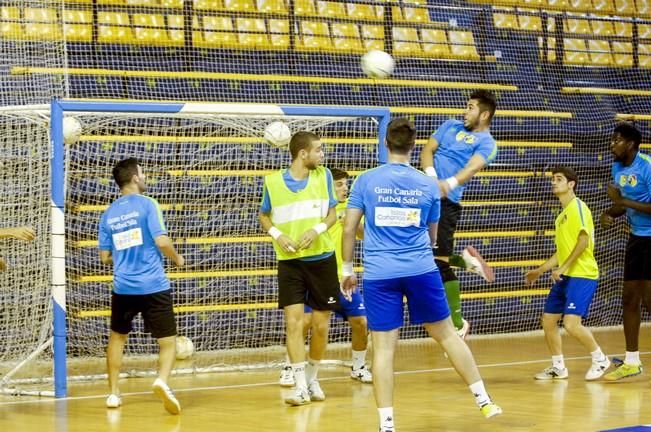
(299, 374)
(287, 361)
(311, 369)
(632, 358)
(598, 355)
(479, 392)
(359, 359)
(386, 417)
(558, 361)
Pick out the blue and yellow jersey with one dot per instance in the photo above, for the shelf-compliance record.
(635, 183)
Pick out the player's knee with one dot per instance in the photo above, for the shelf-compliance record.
(572, 323)
(631, 299)
(358, 324)
(447, 274)
(548, 321)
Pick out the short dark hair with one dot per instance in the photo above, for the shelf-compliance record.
(568, 173)
(124, 171)
(401, 135)
(301, 141)
(338, 174)
(630, 133)
(487, 101)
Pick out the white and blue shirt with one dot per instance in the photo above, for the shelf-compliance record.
(635, 183)
(456, 146)
(128, 229)
(399, 202)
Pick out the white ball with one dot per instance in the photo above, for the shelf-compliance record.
(277, 134)
(377, 64)
(184, 347)
(71, 130)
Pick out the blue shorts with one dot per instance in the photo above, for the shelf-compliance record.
(349, 309)
(425, 298)
(571, 296)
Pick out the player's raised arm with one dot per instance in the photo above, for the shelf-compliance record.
(165, 245)
(427, 157)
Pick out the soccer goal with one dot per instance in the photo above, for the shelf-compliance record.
(204, 164)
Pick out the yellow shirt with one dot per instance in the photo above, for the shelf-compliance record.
(574, 218)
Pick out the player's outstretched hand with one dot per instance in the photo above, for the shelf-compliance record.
(287, 244)
(557, 274)
(23, 233)
(348, 286)
(307, 238)
(531, 277)
(606, 220)
(3, 265)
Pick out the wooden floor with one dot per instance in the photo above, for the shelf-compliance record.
(429, 397)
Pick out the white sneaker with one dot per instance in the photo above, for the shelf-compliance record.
(552, 373)
(362, 374)
(286, 377)
(300, 397)
(162, 390)
(597, 370)
(316, 394)
(464, 330)
(113, 401)
(476, 264)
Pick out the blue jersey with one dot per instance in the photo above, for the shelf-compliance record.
(128, 229)
(399, 202)
(456, 146)
(635, 183)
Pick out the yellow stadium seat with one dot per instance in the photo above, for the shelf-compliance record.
(406, 42)
(577, 26)
(396, 14)
(580, 5)
(462, 45)
(416, 15)
(602, 28)
(78, 25)
(643, 8)
(78, 1)
(644, 52)
(559, 4)
(150, 29)
(624, 29)
(603, 7)
(41, 24)
(197, 32)
(622, 54)
(252, 33)
(112, 2)
(625, 7)
(239, 5)
(331, 9)
(279, 34)
(373, 37)
(146, 3)
(533, 3)
(315, 36)
(208, 4)
(435, 43)
(599, 52)
(345, 37)
(272, 6)
(114, 27)
(575, 51)
(304, 7)
(176, 4)
(218, 32)
(9, 28)
(644, 31)
(504, 20)
(176, 32)
(362, 11)
(530, 22)
(551, 49)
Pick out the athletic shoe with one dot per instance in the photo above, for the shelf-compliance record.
(300, 397)
(113, 401)
(362, 374)
(464, 330)
(387, 430)
(316, 394)
(552, 373)
(162, 390)
(476, 264)
(624, 371)
(286, 377)
(490, 409)
(597, 369)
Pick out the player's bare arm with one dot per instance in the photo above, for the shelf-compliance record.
(581, 244)
(616, 197)
(474, 165)
(532, 276)
(351, 222)
(427, 156)
(283, 240)
(433, 231)
(608, 217)
(105, 257)
(310, 235)
(165, 245)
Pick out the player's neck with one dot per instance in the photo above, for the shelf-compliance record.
(298, 171)
(129, 190)
(630, 158)
(399, 158)
(566, 198)
(481, 128)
